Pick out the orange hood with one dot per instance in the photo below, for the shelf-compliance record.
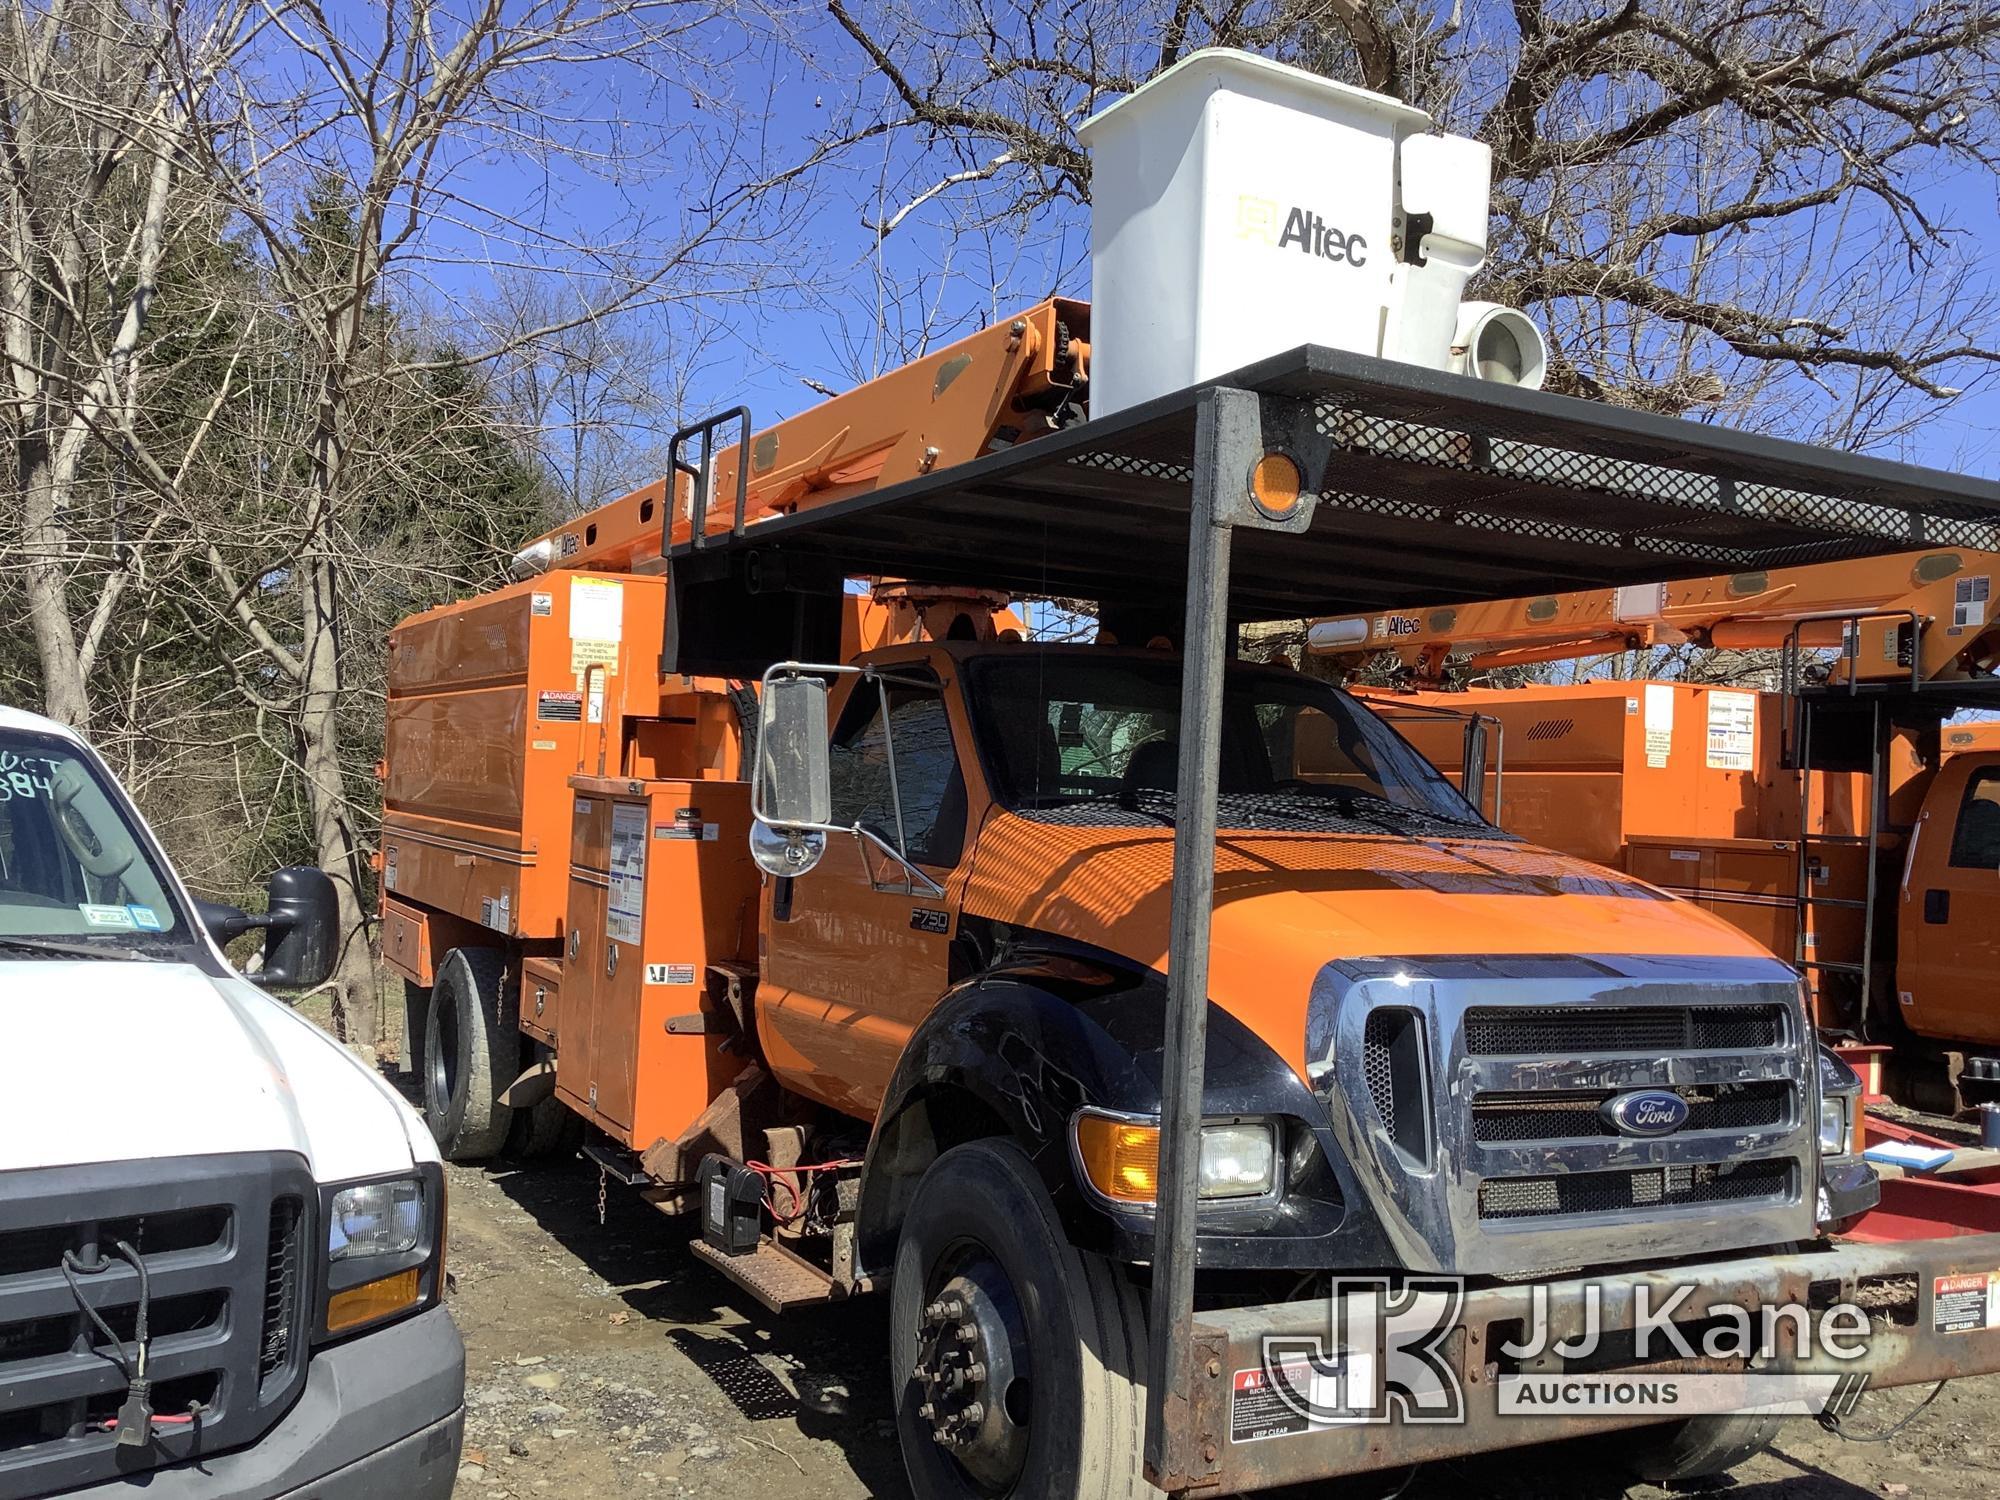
(1286, 905)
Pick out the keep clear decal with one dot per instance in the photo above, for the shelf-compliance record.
(596, 623)
(625, 913)
(1659, 723)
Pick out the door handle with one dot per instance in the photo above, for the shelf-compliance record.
(1937, 907)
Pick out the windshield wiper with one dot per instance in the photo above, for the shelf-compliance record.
(55, 948)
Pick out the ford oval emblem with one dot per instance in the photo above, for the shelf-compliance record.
(1648, 1112)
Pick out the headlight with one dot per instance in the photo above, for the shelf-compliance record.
(375, 1218)
(1238, 1161)
(1839, 1104)
(1119, 1157)
(382, 1257)
(1833, 1126)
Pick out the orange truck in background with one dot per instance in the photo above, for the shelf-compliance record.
(1837, 817)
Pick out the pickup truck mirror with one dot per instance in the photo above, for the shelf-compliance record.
(792, 789)
(301, 925)
(302, 929)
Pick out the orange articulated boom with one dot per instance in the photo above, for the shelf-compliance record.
(1947, 593)
(1007, 384)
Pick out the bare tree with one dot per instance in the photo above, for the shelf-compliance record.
(1730, 211)
(94, 133)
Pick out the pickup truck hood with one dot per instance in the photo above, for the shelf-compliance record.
(1288, 904)
(119, 1060)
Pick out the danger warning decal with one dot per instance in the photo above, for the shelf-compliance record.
(1257, 1410)
(559, 707)
(1968, 1302)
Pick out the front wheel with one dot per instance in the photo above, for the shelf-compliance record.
(1018, 1361)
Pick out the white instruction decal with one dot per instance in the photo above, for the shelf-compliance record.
(1659, 723)
(625, 912)
(596, 609)
(1732, 731)
(670, 973)
(1968, 600)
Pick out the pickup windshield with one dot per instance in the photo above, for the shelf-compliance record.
(1077, 736)
(72, 864)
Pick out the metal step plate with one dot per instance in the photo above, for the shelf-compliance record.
(772, 1274)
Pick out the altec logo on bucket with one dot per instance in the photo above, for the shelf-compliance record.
(1300, 229)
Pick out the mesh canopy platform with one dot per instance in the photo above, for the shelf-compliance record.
(1432, 488)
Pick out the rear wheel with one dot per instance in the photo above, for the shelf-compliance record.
(471, 1051)
(546, 1130)
(1698, 1448)
(1018, 1361)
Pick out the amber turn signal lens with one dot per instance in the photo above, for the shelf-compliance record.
(372, 1300)
(1275, 483)
(1122, 1157)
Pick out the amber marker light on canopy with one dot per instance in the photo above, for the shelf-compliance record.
(372, 1300)
(1120, 1157)
(1275, 483)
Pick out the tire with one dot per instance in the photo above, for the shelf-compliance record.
(1078, 1430)
(1699, 1448)
(471, 1052)
(546, 1130)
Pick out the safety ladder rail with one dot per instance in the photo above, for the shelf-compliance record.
(1797, 753)
(701, 474)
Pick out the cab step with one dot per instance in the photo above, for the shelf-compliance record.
(773, 1275)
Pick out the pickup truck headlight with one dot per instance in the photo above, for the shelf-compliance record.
(382, 1255)
(1118, 1156)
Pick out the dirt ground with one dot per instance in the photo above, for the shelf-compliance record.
(604, 1361)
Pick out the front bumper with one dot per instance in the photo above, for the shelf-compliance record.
(381, 1415)
(1896, 1283)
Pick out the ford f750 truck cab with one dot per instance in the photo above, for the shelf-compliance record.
(221, 1235)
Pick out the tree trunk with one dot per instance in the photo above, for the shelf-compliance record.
(65, 696)
(334, 837)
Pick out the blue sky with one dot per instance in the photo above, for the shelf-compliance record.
(834, 282)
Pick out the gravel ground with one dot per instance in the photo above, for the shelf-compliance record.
(603, 1361)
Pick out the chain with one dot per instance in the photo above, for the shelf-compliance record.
(603, 1176)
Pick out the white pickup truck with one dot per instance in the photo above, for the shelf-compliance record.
(221, 1235)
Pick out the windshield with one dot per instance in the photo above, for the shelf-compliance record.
(71, 862)
(1076, 736)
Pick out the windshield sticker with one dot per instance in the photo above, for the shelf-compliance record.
(108, 916)
(25, 776)
(144, 918)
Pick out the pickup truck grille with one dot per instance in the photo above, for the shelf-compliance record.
(224, 1240)
(1580, 1115)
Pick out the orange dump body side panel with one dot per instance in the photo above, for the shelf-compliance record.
(661, 887)
(493, 704)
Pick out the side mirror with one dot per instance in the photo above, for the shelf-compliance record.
(792, 790)
(302, 929)
(1472, 773)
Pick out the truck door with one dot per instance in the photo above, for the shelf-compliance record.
(1951, 913)
(855, 953)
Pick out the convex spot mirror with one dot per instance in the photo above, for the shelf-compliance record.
(785, 853)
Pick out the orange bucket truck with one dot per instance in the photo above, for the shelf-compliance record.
(1219, 1098)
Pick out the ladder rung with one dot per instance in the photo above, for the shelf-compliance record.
(1838, 838)
(1831, 968)
(1836, 901)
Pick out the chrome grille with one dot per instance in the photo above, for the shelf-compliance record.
(1525, 1031)
(1500, 1117)
(1648, 1188)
